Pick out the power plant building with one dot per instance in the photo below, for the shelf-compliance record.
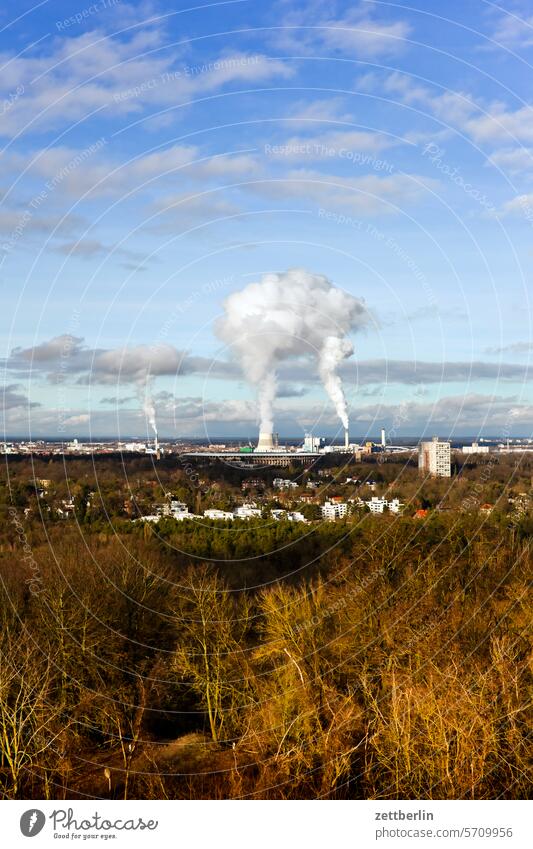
(312, 443)
(434, 458)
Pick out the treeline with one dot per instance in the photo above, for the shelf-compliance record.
(390, 659)
(101, 490)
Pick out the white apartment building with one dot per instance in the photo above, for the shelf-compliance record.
(294, 516)
(282, 483)
(334, 510)
(246, 512)
(395, 505)
(475, 449)
(434, 458)
(377, 505)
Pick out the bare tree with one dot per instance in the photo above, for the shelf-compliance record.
(28, 719)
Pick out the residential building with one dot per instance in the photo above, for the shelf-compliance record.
(296, 516)
(246, 512)
(475, 449)
(395, 505)
(290, 516)
(218, 514)
(283, 483)
(377, 505)
(334, 510)
(434, 458)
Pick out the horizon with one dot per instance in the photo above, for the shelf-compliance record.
(251, 438)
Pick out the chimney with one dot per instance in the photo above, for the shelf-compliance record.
(383, 438)
(266, 441)
(346, 439)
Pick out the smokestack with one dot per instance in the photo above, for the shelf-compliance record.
(383, 438)
(346, 438)
(266, 441)
(286, 316)
(156, 446)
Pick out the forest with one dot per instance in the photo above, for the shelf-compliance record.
(377, 657)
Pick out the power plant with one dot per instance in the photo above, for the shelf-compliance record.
(268, 451)
(267, 441)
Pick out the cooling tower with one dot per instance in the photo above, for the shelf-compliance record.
(266, 441)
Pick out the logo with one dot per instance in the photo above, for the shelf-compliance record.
(32, 822)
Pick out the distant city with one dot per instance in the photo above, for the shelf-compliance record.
(275, 451)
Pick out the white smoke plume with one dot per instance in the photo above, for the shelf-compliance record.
(147, 402)
(332, 353)
(286, 315)
(139, 365)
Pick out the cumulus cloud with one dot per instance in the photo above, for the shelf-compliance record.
(520, 206)
(483, 121)
(51, 350)
(367, 195)
(120, 74)
(459, 414)
(335, 142)
(513, 30)
(12, 397)
(356, 32)
(514, 160)
(132, 363)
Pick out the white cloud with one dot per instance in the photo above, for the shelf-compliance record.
(186, 210)
(103, 176)
(513, 31)
(512, 348)
(319, 110)
(457, 413)
(520, 206)
(324, 145)
(135, 362)
(514, 160)
(354, 32)
(483, 122)
(367, 195)
(502, 124)
(115, 75)
(74, 421)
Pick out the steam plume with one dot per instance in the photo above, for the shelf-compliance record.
(146, 399)
(139, 365)
(332, 353)
(287, 315)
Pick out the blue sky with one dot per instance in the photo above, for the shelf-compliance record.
(157, 158)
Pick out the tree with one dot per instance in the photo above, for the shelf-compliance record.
(211, 630)
(28, 717)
